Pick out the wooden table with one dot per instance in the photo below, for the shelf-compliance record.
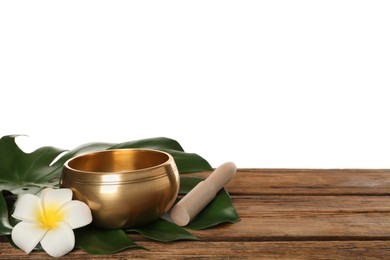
(291, 214)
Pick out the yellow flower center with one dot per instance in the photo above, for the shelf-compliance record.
(50, 217)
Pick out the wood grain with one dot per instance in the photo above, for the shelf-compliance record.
(288, 214)
(287, 218)
(308, 182)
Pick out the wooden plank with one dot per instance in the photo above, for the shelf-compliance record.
(292, 218)
(263, 205)
(296, 227)
(237, 250)
(308, 182)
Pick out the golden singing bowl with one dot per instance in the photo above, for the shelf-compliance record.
(124, 187)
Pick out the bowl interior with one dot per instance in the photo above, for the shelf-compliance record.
(118, 160)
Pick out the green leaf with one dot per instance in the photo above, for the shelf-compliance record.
(151, 143)
(5, 227)
(218, 211)
(185, 162)
(22, 172)
(189, 162)
(103, 241)
(163, 231)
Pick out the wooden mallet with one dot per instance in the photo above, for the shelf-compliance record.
(203, 193)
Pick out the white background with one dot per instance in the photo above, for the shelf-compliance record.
(260, 83)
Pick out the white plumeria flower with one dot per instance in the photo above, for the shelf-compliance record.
(49, 220)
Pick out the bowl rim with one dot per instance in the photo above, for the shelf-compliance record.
(170, 158)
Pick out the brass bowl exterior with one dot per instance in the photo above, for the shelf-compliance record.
(124, 187)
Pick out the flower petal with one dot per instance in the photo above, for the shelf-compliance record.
(27, 235)
(28, 208)
(59, 241)
(55, 198)
(76, 214)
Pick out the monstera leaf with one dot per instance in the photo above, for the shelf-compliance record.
(22, 173)
(186, 162)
